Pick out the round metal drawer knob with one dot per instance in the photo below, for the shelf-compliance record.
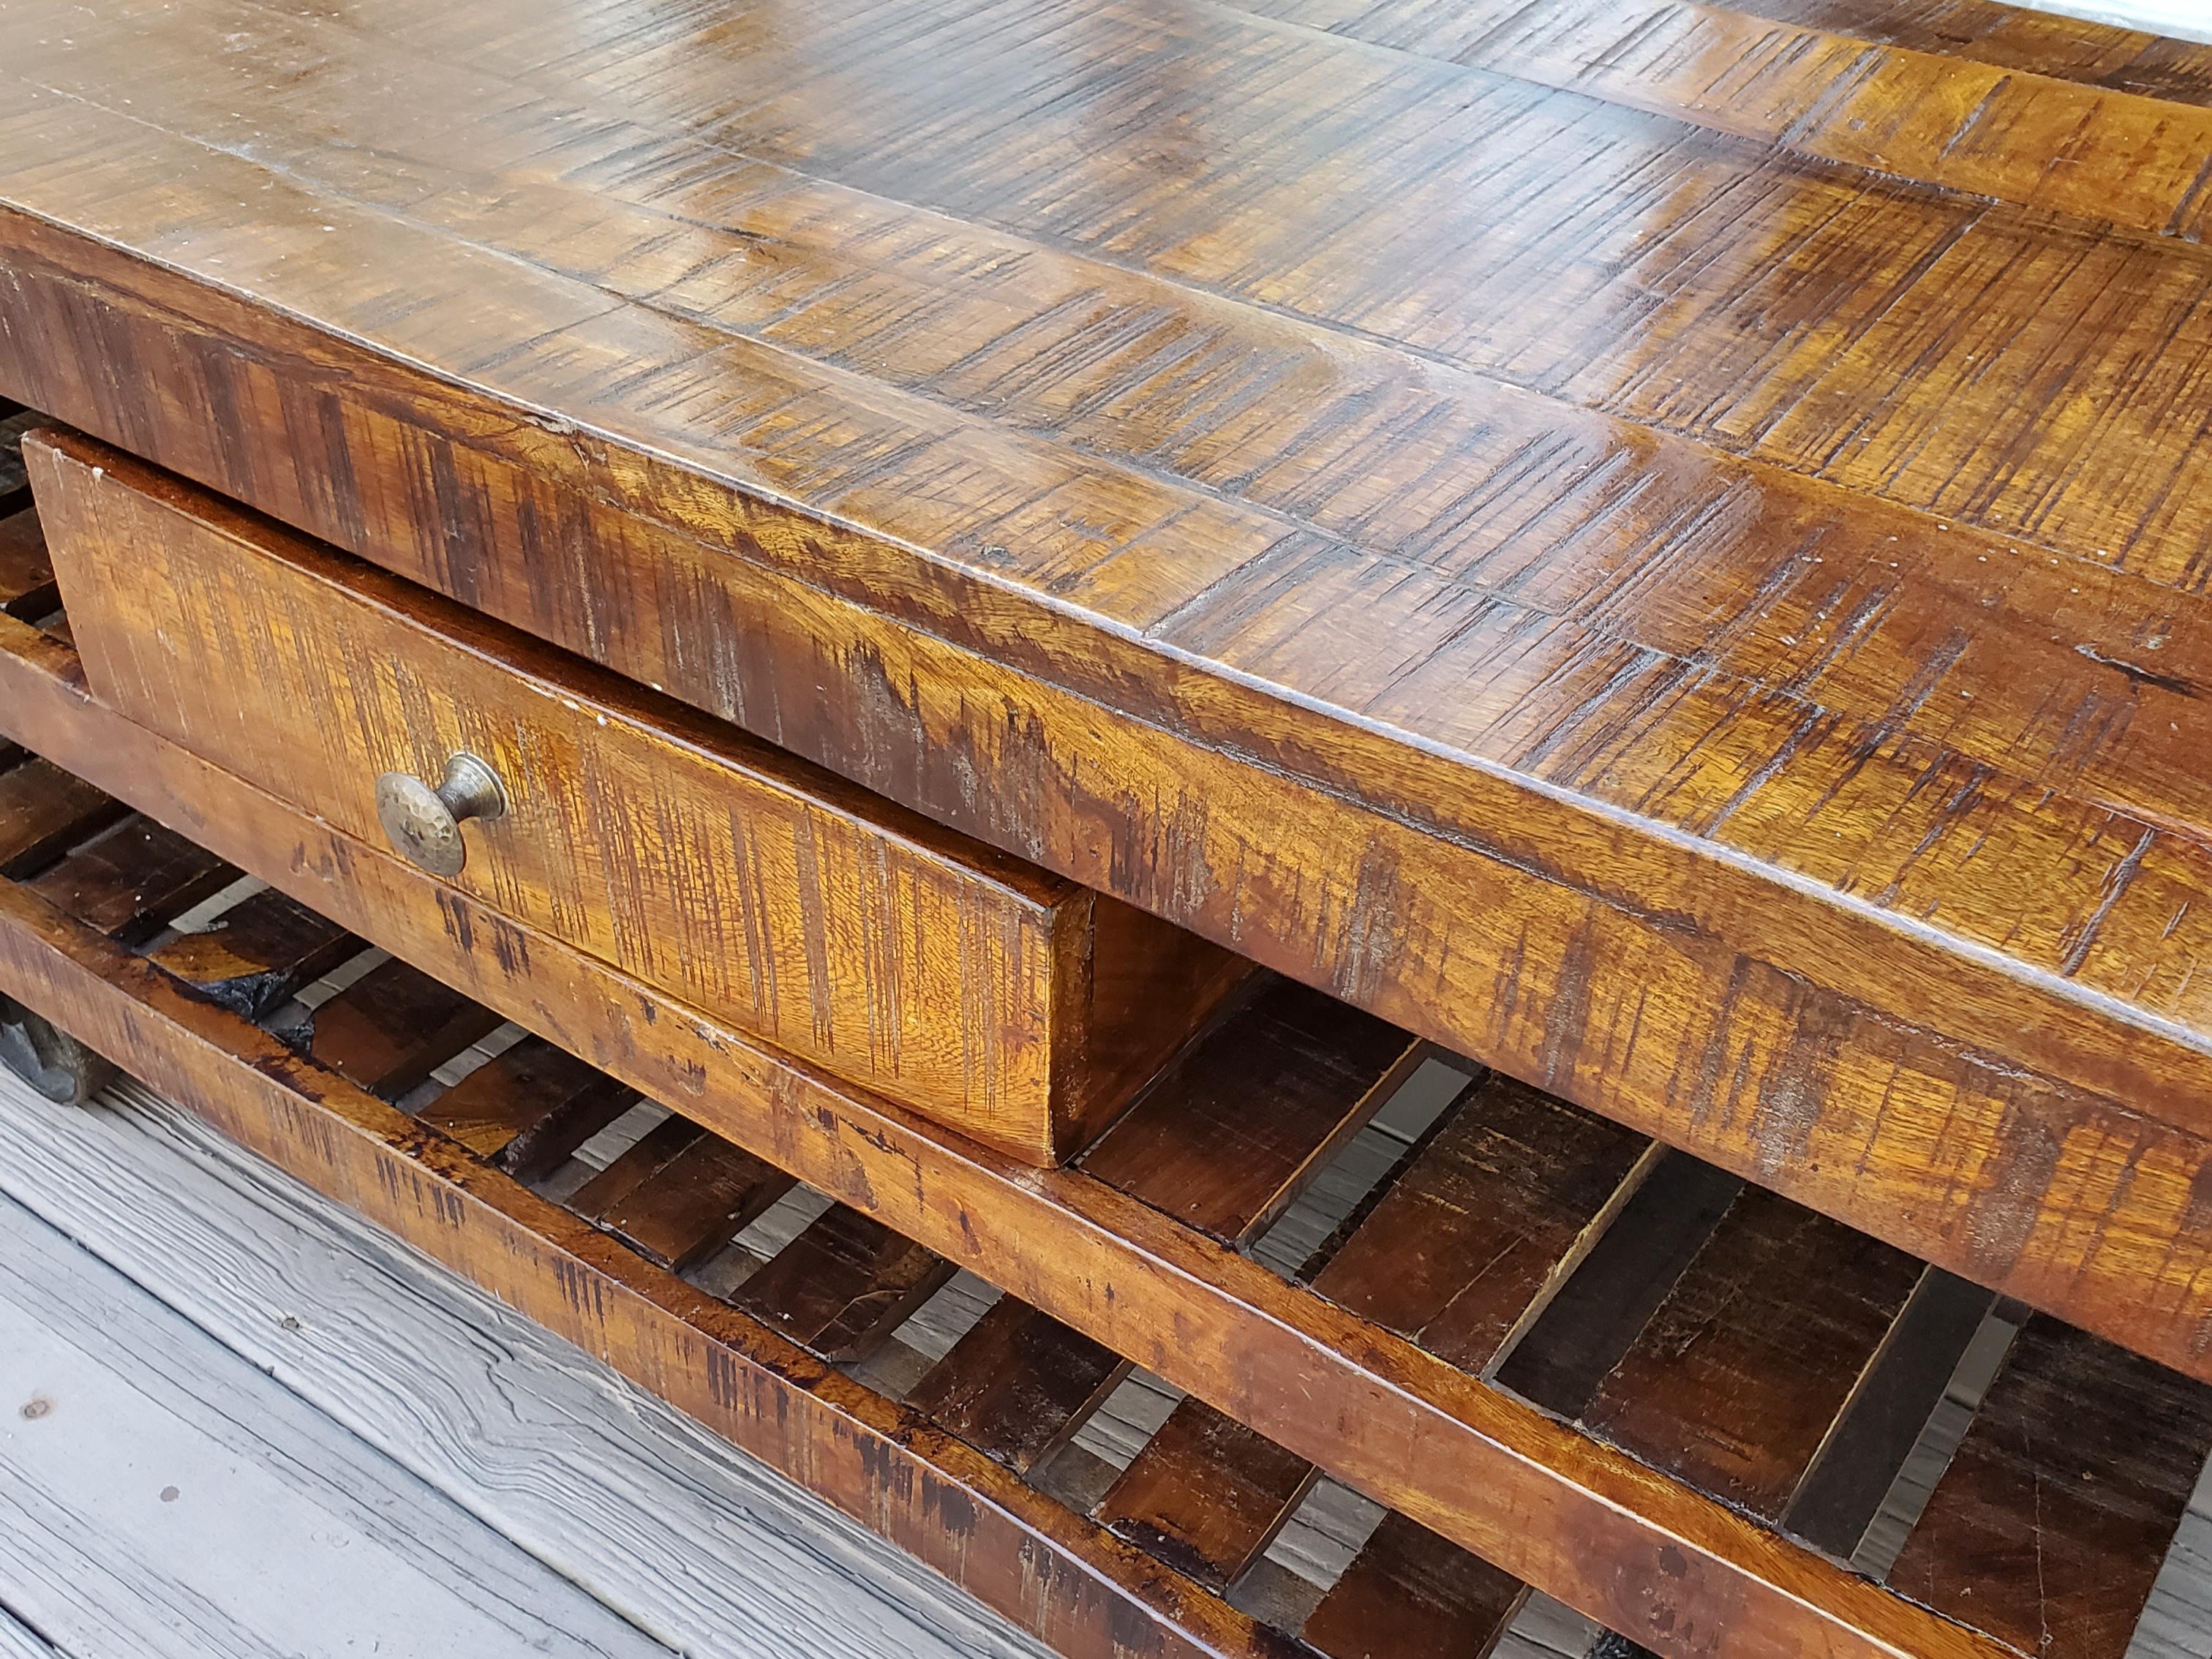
(424, 824)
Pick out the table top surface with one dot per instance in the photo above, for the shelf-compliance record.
(1776, 429)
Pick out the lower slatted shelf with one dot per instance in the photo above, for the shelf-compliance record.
(1723, 1380)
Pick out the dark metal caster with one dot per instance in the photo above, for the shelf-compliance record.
(48, 1058)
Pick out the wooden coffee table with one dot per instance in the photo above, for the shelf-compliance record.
(1022, 609)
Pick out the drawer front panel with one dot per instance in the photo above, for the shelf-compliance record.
(823, 918)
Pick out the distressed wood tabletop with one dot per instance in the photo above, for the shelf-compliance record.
(1661, 544)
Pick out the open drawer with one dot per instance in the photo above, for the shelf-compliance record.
(1010, 1004)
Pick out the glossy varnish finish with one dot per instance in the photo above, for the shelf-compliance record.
(1019, 1008)
(1675, 571)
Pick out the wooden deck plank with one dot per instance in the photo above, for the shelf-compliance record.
(393, 1027)
(2103, 1449)
(19, 1641)
(165, 1499)
(1620, 1284)
(1866, 1451)
(43, 810)
(257, 953)
(607, 1485)
(1410, 1595)
(640, 1161)
(843, 1285)
(1734, 1385)
(698, 1200)
(133, 880)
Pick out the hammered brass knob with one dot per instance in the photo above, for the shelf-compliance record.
(424, 824)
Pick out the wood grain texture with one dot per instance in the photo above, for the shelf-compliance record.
(700, 1199)
(1617, 1287)
(1493, 1213)
(1734, 1385)
(1018, 1384)
(1583, 1523)
(639, 1162)
(260, 950)
(27, 575)
(391, 1027)
(2085, 1483)
(527, 1108)
(174, 1502)
(1903, 1384)
(2101, 1449)
(1409, 1594)
(42, 812)
(1207, 1495)
(134, 880)
(836, 925)
(844, 1286)
(1230, 1133)
(2013, 132)
(1721, 628)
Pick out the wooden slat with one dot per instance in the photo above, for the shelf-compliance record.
(257, 953)
(698, 1198)
(42, 812)
(636, 1164)
(1410, 1595)
(844, 1286)
(1590, 1323)
(1734, 1385)
(1019, 1384)
(2048, 1528)
(1231, 1133)
(27, 575)
(1207, 1495)
(133, 880)
(1842, 1493)
(528, 1107)
(1494, 1210)
(393, 1027)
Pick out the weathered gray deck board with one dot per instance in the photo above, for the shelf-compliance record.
(18, 1641)
(160, 1497)
(682, 1535)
